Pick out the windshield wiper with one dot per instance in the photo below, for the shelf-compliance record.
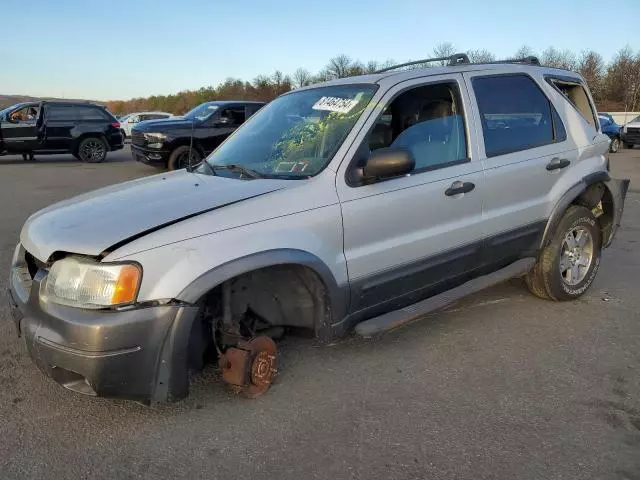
(239, 168)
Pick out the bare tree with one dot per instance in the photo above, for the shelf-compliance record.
(372, 66)
(339, 67)
(623, 79)
(443, 49)
(554, 58)
(301, 78)
(591, 67)
(480, 56)
(524, 51)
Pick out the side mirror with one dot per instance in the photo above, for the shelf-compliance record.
(387, 163)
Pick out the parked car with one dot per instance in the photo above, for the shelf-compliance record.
(167, 143)
(362, 202)
(85, 130)
(631, 133)
(610, 128)
(133, 119)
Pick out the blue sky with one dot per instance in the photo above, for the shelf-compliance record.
(114, 49)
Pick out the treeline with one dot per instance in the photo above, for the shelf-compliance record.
(615, 85)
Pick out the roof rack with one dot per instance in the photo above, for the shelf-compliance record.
(530, 60)
(461, 59)
(455, 59)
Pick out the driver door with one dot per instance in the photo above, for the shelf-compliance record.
(20, 129)
(410, 237)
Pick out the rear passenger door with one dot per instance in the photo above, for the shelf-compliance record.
(408, 237)
(59, 122)
(525, 151)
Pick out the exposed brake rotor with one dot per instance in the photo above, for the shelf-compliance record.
(251, 366)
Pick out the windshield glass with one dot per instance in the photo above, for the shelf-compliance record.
(201, 112)
(635, 120)
(295, 136)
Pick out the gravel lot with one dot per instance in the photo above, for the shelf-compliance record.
(500, 386)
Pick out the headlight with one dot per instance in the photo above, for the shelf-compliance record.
(155, 140)
(83, 283)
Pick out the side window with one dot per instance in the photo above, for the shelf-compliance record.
(429, 122)
(577, 96)
(90, 113)
(251, 109)
(236, 114)
(60, 112)
(515, 113)
(25, 115)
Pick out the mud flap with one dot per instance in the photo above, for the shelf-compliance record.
(618, 190)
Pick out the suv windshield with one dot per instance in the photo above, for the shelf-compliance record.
(201, 112)
(295, 136)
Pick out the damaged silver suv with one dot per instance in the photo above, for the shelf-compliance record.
(361, 203)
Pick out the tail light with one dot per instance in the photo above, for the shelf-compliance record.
(115, 124)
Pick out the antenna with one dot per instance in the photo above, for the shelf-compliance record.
(190, 146)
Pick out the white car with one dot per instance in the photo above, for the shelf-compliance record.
(631, 133)
(127, 122)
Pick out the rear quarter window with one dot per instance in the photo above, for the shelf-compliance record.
(91, 113)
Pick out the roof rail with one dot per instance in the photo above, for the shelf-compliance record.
(455, 59)
(462, 59)
(530, 60)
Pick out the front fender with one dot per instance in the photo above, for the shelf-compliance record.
(216, 276)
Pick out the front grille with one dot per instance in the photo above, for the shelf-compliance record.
(633, 135)
(137, 138)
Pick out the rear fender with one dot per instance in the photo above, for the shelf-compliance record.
(611, 192)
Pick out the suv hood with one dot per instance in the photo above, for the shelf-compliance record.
(94, 222)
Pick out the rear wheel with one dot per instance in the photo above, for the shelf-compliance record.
(615, 145)
(179, 158)
(568, 265)
(92, 150)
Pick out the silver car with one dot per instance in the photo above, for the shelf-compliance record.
(131, 120)
(357, 204)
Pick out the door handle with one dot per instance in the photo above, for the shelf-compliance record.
(557, 163)
(458, 188)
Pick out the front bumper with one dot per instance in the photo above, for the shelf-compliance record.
(136, 354)
(149, 156)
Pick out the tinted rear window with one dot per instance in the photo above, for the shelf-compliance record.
(91, 113)
(60, 112)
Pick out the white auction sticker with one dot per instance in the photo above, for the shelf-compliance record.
(335, 104)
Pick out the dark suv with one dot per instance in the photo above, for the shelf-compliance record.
(86, 130)
(166, 143)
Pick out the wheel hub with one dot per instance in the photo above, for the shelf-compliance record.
(576, 255)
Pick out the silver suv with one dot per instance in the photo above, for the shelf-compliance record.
(361, 203)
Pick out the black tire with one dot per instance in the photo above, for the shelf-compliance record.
(549, 279)
(615, 145)
(92, 150)
(628, 145)
(179, 158)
